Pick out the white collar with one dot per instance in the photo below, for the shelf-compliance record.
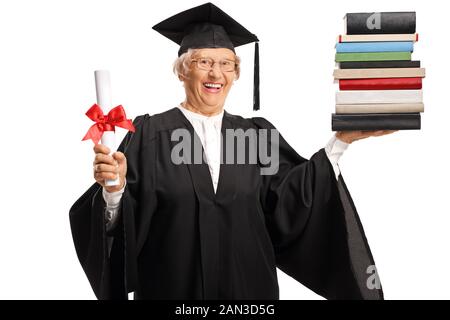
(197, 116)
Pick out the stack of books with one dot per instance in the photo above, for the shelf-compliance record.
(380, 87)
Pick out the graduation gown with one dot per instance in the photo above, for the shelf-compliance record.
(177, 239)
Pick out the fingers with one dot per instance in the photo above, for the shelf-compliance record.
(383, 132)
(105, 172)
(351, 136)
(358, 135)
(108, 167)
(98, 168)
(104, 158)
(378, 133)
(100, 148)
(102, 155)
(102, 176)
(119, 157)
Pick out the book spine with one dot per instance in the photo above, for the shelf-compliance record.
(381, 23)
(375, 121)
(377, 37)
(380, 108)
(372, 56)
(379, 64)
(380, 84)
(379, 73)
(379, 96)
(395, 46)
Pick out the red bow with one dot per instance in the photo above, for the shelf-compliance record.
(116, 117)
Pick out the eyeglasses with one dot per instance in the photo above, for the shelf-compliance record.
(208, 63)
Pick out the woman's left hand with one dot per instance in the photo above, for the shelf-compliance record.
(350, 136)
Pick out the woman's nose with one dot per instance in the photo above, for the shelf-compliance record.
(215, 70)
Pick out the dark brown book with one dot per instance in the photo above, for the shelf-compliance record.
(375, 121)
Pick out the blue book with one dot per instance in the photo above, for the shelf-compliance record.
(388, 46)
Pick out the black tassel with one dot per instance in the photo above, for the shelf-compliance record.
(256, 79)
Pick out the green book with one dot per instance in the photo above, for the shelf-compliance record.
(372, 56)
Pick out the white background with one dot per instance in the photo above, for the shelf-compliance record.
(49, 50)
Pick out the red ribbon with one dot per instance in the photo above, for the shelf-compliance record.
(116, 117)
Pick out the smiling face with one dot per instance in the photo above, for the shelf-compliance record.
(206, 91)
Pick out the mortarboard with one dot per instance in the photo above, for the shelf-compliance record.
(207, 26)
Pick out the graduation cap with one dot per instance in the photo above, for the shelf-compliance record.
(207, 26)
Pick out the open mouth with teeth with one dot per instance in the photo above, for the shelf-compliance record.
(212, 87)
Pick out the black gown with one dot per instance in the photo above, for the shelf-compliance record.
(177, 239)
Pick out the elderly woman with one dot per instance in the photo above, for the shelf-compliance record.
(207, 228)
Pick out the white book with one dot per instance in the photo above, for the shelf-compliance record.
(379, 96)
(377, 37)
(380, 108)
(379, 73)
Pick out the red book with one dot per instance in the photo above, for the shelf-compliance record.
(380, 84)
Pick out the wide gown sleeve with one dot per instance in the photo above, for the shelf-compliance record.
(113, 273)
(315, 230)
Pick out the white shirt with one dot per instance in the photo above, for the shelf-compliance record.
(208, 130)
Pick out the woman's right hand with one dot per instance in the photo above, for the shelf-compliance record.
(109, 167)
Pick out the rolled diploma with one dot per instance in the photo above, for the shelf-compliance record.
(103, 90)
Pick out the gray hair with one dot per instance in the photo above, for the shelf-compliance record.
(182, 64)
